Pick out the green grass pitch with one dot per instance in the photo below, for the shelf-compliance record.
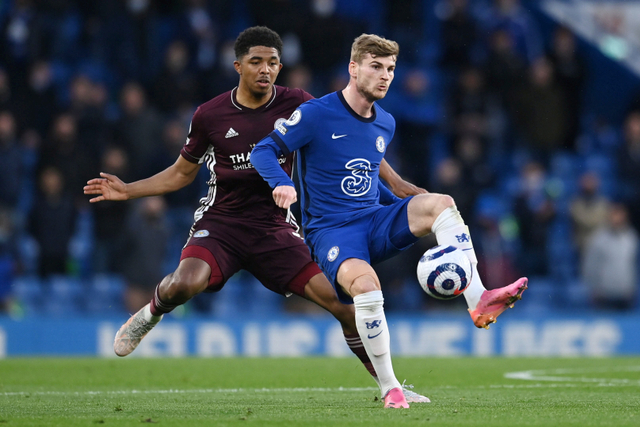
(317, 392)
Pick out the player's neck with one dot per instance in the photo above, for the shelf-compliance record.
(358, 103)
(249, 99)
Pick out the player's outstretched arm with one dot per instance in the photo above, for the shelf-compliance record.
(110, 187)
(399, 186)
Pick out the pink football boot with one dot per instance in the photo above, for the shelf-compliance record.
(395, 399)
(494, 302)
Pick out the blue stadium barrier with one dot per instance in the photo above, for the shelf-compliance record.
(421, 335)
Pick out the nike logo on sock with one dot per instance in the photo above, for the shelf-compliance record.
(373, 336)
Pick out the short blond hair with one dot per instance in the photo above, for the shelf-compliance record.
(374, 45)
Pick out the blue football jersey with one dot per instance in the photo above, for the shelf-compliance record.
(338, 160)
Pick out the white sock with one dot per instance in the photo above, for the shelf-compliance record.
(450, 230)
(146, 311)
(373, 330)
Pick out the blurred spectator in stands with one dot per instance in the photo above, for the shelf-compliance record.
(504, 69)
(12, 171)
(138, 130)
(59, 30)
(52, 222)
(20, 42)
(609, 267)
(629, 167)
(109, 218)
(181, 204)
(459, 39)
(6, 101)
(301, 77)
(203, 32)
(177, 88)
(534, 211)
(63, 150)
(405, 23)
(477, 173)
(8, 259)
(471, 107)
(600, 136)
(417, 112)
(122, 35)
(512, 17)
(449, 180)
(87, 104)
(31, 142)
(589, 209)
(338, 81)
(540, 112)
(492, 242)
(324, 37)
(282, 16)
(38, 103)
(147, 234)
(570, 73)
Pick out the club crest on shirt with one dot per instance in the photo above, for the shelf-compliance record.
(201, 233)
(333, 253)
(294, 119)
(380, 144)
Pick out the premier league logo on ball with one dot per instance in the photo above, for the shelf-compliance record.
(444, 272)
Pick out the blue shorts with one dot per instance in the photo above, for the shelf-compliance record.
(373, 235)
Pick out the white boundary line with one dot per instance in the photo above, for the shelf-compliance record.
(561, 376)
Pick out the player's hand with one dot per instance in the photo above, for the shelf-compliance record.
(284, 196)
(404, 189)
(110, 187)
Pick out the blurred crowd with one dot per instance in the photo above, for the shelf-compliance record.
(489, 109)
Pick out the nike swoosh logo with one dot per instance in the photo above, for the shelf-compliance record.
(334, 136)
(369, 336)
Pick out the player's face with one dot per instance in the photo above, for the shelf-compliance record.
(374, 76)
(258, 70)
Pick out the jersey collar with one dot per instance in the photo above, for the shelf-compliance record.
(240, 107)
(353, 113)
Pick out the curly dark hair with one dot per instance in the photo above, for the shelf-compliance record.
(257, 36)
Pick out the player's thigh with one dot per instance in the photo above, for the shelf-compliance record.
(389, 231)
(282, 261)
(332, 247)
(423, 210)
(220, 246)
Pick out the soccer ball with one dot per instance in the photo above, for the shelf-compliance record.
(444, 272)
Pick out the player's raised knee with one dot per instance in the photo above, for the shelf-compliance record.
(443, 202)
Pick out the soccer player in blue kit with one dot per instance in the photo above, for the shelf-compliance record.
(350, 218)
